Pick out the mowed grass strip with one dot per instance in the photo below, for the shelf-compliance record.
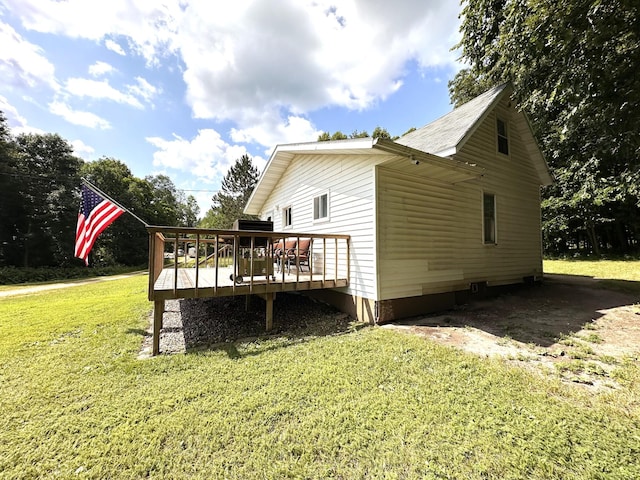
(604, 269)
(368, 404)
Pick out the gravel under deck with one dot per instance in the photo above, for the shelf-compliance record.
(198, 323)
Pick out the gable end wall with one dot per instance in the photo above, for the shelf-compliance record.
(430, 233)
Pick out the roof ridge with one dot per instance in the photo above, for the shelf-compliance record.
(446, 132)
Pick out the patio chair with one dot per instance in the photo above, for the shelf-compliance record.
(299, 255)
(282, 250)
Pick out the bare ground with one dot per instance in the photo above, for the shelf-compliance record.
(567, 325)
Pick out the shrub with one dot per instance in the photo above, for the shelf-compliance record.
(15, 275)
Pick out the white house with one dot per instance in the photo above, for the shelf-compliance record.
(445, 211)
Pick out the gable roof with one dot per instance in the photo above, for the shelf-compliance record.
(379, 151)
(432, 145)
(446, 135)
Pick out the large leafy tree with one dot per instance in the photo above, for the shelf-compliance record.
(573, 66)
(228, 204)
(154, 199)
(124, 242)
(47, 179)
(39, 198)
(11, 207)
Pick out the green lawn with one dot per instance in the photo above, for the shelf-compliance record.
(615, 274)
(371, 403)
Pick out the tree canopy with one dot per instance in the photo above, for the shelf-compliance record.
(573, 67)
(378, 132)
(40, 182)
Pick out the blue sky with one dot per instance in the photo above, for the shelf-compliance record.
(185, 87)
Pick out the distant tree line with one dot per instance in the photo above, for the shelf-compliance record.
(574, 67)
(40, 182)
(378, 132)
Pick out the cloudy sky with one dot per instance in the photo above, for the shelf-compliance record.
(185, 87)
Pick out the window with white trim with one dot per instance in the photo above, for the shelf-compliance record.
(503, 137)
(321, 207)
(489, 218)
(287, 218)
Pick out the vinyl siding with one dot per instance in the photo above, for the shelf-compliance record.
(349, 181)
(430, 233)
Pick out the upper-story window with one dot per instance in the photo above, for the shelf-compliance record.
(503, 137)
(321, 207)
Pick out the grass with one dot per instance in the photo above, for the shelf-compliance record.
(367, 404)
(620, 275)
(628, 270)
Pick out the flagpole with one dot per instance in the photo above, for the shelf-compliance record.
(101, 193)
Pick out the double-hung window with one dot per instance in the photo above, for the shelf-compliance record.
(321, 207)
(287, 218)
(489, 218)
(503, 138)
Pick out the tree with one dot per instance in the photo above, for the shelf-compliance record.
(125, 242)
(228, 204)
(378, 132)
(572, 64)
(154, 199)
(338, 136)
(189, 211)
(11, 210)
(48, 179)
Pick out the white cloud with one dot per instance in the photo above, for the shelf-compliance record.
(114, 47)
(99, 69)
(82, 150)
(23, 64)
(143, 89)
(99, 89)
(77, 117)
(102, 90)
(207, 155)
(303, 57)
(16, 122)
(260, 67)
(270, 130)
(146, 26)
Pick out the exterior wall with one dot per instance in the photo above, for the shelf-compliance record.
(349, 181)
(430, 237)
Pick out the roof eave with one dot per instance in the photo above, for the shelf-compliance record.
(258, 197)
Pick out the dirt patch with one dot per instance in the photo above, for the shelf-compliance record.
(567, 325)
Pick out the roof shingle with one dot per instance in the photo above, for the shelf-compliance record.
(447, 132)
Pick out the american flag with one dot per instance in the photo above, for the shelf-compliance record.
(94, 216)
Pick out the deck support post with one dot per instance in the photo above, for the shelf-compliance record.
(158, 310)
(269, 315)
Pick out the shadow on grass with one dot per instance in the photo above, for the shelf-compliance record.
(219, 323)
(138, 331)
(540, 314)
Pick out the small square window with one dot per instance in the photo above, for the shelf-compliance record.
(503, 138)
(287, 219)
(489, 218)
(321, 207)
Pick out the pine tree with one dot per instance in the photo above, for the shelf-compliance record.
(228, 204)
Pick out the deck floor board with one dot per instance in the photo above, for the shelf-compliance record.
(166, 286)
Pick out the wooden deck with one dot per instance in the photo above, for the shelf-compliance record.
(208, 259)
(207, 285)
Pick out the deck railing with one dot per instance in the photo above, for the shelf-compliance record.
(194, 262)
